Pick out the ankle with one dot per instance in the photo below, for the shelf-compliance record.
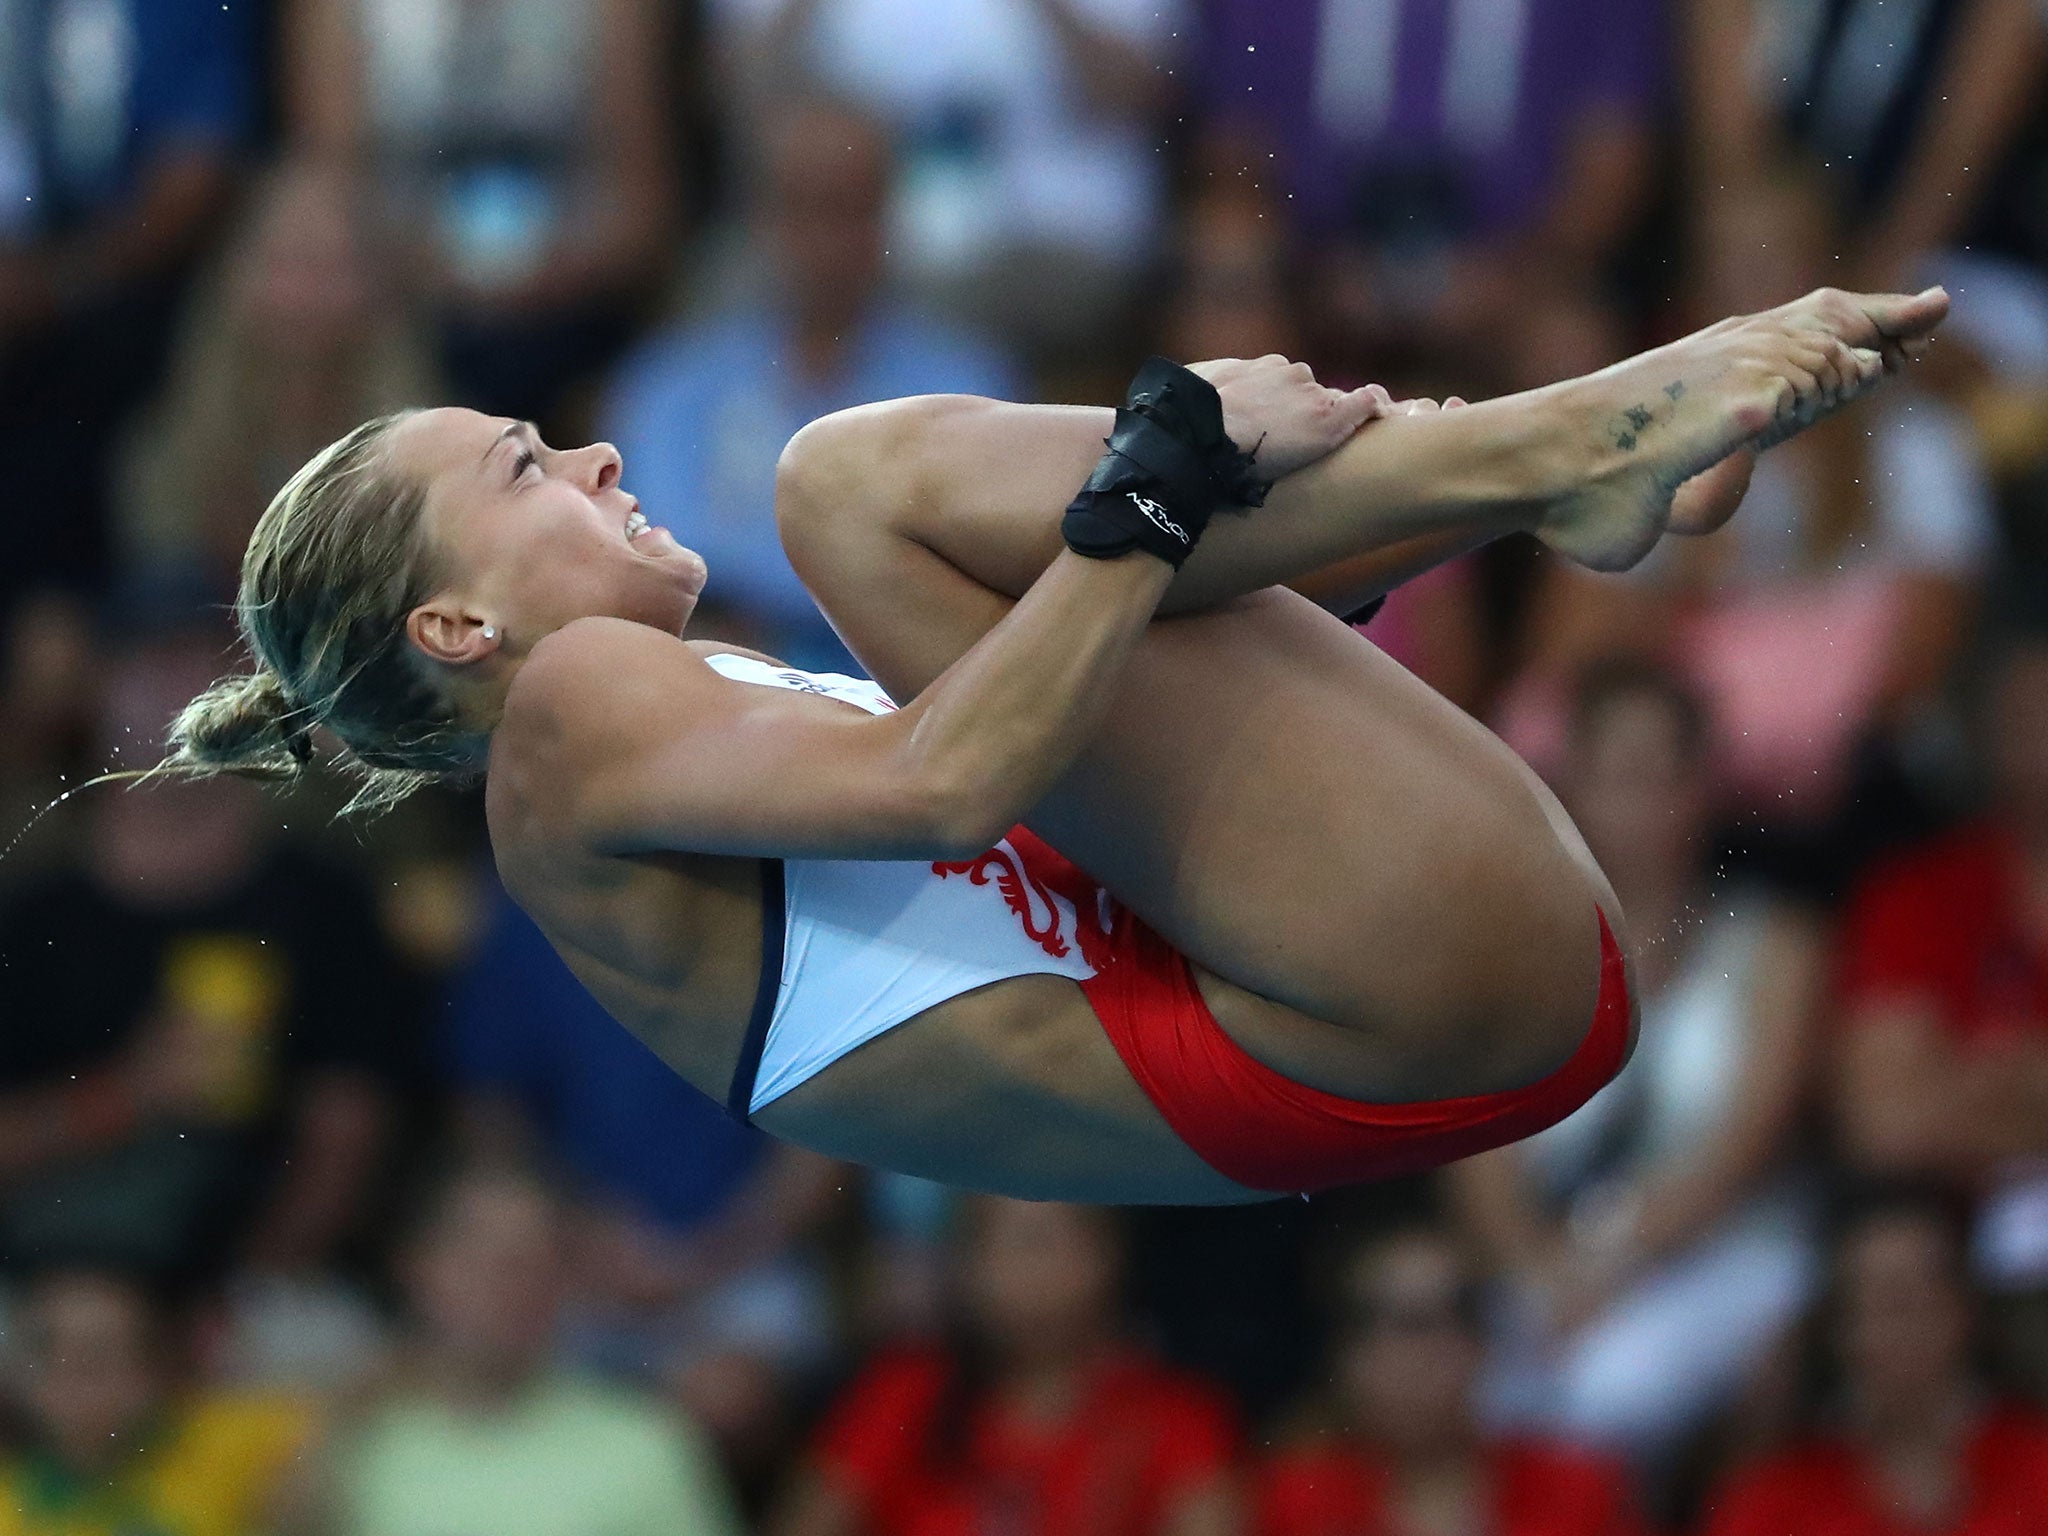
(1554, 448)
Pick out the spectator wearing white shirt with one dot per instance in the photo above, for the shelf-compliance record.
(520, 152)
(1659, 1243)
(1031, 134)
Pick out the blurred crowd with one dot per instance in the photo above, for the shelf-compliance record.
(331, 1206)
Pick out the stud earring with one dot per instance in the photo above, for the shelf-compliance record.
(490, 633)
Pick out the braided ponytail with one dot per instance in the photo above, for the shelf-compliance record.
(332, 570)
(244, 725)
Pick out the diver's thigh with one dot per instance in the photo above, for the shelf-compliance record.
(905, 612)
(1292, 809)
(1304, 818)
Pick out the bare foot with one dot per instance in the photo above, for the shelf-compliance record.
(1679, 427)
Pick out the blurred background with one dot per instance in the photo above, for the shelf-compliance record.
(330, 1205)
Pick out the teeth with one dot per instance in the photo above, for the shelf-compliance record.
(636, 524)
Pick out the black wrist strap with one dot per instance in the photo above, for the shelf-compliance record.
(1170, 464)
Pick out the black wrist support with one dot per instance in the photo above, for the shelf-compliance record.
(1170, 464)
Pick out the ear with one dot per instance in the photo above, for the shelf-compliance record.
(445, 630)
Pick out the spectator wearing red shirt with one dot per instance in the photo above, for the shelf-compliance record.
(1942, 1070)
(1042, 1420)
(1396, 1449)
(1922, 1448)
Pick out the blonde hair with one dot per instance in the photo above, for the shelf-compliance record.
(333, 569)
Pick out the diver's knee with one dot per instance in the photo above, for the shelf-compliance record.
(817, 470)
(858, 468)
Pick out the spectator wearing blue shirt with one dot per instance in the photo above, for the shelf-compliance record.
(691, 1266)
(118, 125)
(702, 411)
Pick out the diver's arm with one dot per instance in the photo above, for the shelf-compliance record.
(633, 744)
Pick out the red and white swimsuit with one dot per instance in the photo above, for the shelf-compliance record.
(852, 948)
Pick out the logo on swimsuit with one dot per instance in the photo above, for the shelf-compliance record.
(1156, 515)
(801, 683)
(1028, 874)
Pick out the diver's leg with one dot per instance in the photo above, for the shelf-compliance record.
(1309, 823)
(1293, 810)
(1600, 466)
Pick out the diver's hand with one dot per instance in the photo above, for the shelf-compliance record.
(1277, 408)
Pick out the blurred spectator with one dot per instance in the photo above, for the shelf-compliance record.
(201, 1026)
(899, 1285)
(119, 1441)
(1824, 624)
(478, 1434)
(1396, 1444)
(520, 152)
(49, 700)
(1041, 1418)
(1658, 1241)
(1466, 174)
(702, 411)
(1233, 292)
(297, 337)
(1033, 180)
(1913, 1439)
(1224, 1291)
(119, 121)
(1914, 120)
(1942, 1069)
(688, 1268)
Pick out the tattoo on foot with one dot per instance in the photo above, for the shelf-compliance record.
(1640, 418)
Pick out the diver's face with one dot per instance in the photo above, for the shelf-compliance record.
(531, 537)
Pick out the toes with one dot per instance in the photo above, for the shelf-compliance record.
(1916, 316)
(1831, 375)
(1849, 372)
(1868, 319)
(1791, 400)
(1897, 317)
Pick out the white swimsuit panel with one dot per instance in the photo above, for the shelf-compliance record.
(870, 943)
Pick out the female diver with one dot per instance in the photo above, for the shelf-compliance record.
(1329, 928)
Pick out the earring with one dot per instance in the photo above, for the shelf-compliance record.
(490, 633)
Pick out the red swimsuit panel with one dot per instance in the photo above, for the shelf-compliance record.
(1265, 1131)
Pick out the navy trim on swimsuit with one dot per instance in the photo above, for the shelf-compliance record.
(739, 1100)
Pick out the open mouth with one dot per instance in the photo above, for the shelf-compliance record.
(636, 523)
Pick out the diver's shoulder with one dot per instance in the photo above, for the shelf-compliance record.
(592, 667)
(587, 694)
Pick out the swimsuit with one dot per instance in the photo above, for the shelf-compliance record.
(851, 948)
